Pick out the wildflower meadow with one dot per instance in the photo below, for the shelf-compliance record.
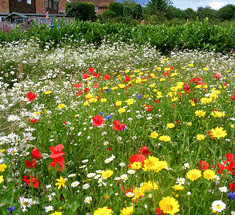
(115, 129)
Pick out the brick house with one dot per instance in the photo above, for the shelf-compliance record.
(30, 6)
(62, 5)
(100, 5)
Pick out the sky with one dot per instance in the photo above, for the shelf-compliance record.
(194, 4)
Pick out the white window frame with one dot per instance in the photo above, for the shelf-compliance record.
(29, 1)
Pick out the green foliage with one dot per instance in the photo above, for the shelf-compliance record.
(108, 14)
(116, 7)
(133, 11)
(124, 20)
(226, 13)
(173, 12)
(190, 14)
(157, 6)
(197, 35)
(82, 11)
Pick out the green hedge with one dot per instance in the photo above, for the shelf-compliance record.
(116, 7)
(198, 35)
(82, 11)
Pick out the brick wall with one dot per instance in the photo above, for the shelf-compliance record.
(4, 6)
(22, 7)
(62, 6)
(40, 7)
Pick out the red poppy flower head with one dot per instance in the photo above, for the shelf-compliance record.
(144, 150)
(33, 120)
(91, 69)
(232, 187)
(30, 96)
(97, 120)
(106, 77)
(137, 158)
(230, 157)
(56, 151)
(127, 79)
(118, 126)
(231, 167)
(86, 75)
(203, 165)
(36, 154)
(30, 164)
(217, 75)
(233, 97)
(159, 211)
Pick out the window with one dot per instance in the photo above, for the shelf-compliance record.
(29, 2)
(55, 5)
(19, 0)
(46, 3)
(49, 3)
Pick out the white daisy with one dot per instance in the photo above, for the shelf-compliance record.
(85, 186)
(218, 206)
(75, 184)
(49, 208)
(88, 199)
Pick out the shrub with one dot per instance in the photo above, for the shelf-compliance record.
(106, 15)
(116, 8)
(82, 11)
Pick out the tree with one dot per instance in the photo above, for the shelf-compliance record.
(155, 7)
(173, 12)
(226, 13)
(116, 7)
(190, 14)
(206, 12)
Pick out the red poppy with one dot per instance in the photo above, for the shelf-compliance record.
(97, 120)
(86, 75)
(118, 126)
(96, 85)
(91, 69)
(77, 85)
(165, 74)
(230, 157)
(96, 75)
(217, 75)
(137, 158)
(56, 151)
(233, 97)
(232, 187)
(127, 79)
(187, 88)
(32, 120)
(157, 101)
(86, 90)
(79, 93)
(31, 96)
(221, 168)
(144, 150)
(36, 154)
(196, 80)
(231, 167)
(59, 161)
(159, 211)
(30, 164)
(203, 165)
(226, 85)
(106, 77)
(31, 180)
